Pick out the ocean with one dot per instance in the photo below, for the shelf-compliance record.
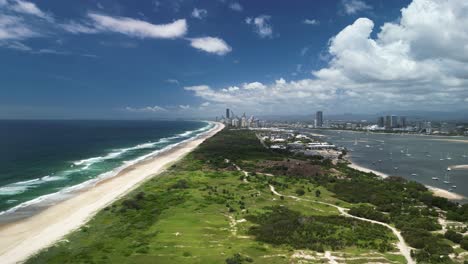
(44, 161)
(414, 157)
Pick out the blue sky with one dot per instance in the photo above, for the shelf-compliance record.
(182, 58)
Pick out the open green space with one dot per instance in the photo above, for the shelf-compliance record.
(204, 210)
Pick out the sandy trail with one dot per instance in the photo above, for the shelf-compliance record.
(405, 250)
(21, 239)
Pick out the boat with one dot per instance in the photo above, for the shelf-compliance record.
(449, 169)
(395, 168)
(454, 186)
(414, 174)
(447, 178)
(407, 153)
(448, 156)
(435, 178)
(450, 189)
(367, 146)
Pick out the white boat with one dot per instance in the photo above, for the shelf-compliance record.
(367, 146)
(414, 174)
(454, 186)
(448, 156)
(447, 178)
(435, 178)
(395, 168)
(449, 169)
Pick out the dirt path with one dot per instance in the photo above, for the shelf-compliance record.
(405, 250)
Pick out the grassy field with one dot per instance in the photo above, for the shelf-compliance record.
(203, 210)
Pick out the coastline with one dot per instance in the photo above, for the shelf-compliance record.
(435, 191)
(23, 238)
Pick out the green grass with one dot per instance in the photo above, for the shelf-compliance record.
(201, 211)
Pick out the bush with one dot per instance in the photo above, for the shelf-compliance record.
(453, 236)
(238, 259)
(300, 192)
(464, 243)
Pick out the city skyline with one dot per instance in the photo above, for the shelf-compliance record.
(175, 59)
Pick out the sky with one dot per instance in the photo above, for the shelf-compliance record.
(193, 58)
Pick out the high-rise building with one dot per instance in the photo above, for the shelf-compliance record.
(381, 121)
(402, 121)
(388, 122)
(319, 118)
(244, 121)
(228, 113)
(394, 121)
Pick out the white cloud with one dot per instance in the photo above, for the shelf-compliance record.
(261, 25)
(28, 8)
(419, 62)
(199, 13)
(184, 107)
(253, 86)
(78, 28)
(205, 104)
(14, 28)
(138, 28)
(173, 81)
(352, 7)
(211, 45)
(311, 22)
(236, 7)
(147, 109)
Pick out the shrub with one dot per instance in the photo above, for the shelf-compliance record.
(300, 192)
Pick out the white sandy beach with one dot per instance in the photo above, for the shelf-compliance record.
(23, 238)
(436, 191)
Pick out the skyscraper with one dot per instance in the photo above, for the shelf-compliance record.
(394, 121)
(402, 122)
(381, 121)
(319, 118)
(228, 113)
(388, 122)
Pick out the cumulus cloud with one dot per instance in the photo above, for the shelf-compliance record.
(211, 45)
(199, 13)
(311, 22)
(147, 109)
(184, 107)
(352, 7)
(261, 25)
(253, 86)
(419, 62)
(236, 7)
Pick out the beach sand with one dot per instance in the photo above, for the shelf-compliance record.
(435, 191)
(21, 239)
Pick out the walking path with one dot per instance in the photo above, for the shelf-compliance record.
(405, 250)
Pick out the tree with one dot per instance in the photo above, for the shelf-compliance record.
(317, 193)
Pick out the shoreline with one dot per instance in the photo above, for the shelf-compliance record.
(23, 238)
(435, 191)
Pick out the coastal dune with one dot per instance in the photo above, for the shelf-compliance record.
(21, 239)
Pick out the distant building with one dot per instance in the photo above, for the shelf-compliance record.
(228, 113)
(394, 121)
(319, 119)
(388, 122)
(244, 121)
(402, 122)
(235, 122)
(381, 121)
